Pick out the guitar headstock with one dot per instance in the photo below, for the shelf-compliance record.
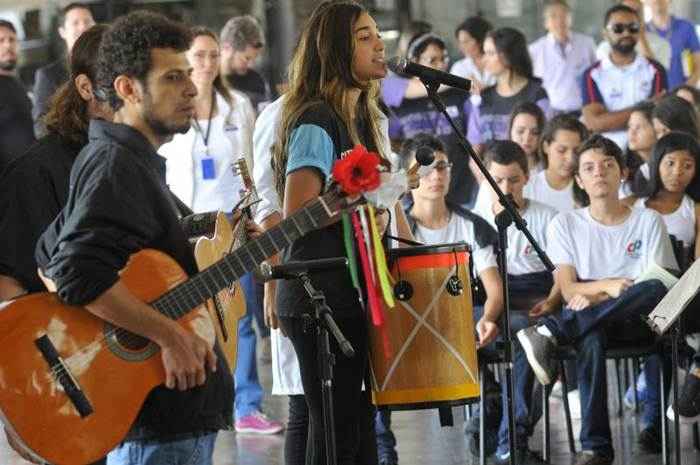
(240, 168)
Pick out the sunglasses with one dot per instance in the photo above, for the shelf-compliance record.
(619, 28)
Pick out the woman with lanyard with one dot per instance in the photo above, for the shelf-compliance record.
(200, 172)
(409, 117)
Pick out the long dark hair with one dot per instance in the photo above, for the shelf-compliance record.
(321, 72)
(673, 142)
(633, 161)
(512, 46)
(556, 124)
(68, 111)
(677, 114)
(477, 27)
(219, 86)
(534, 110)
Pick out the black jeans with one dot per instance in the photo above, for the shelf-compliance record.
(353, 411)
(297, 432)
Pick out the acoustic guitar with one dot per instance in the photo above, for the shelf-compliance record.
(228, 306)
(71, 384)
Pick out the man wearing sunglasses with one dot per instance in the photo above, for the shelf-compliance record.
(623, 78)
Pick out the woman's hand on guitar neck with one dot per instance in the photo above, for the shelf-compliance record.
(186, 357)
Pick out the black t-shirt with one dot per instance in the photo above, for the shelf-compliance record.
(318, 139)
(33, 190)
(253, 85)
(16, 125)
(119, 204)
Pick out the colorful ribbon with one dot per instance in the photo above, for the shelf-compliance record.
(362, 247)
(380, 261)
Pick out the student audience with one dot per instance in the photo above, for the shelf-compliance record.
(599, 160)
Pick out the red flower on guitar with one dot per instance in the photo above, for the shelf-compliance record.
(358, 171)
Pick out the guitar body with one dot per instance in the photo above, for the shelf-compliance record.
(115, 373)
(231, 301)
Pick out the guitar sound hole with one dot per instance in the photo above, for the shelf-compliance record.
(131, 341)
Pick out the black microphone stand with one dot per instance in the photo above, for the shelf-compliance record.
(509, 215)
(323, 322)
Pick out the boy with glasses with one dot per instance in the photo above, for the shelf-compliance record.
(613, 85)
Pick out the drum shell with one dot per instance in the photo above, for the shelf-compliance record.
(433, 364)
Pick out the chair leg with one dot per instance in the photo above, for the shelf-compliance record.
(619, 387)
(567, 411)
(482, 419)
(665, 452)
(545, 424)
(635, 373)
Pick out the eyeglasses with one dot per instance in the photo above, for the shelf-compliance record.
(619, 28)
(442, 166)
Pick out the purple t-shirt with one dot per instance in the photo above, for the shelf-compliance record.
(489, 120)
(682, 36)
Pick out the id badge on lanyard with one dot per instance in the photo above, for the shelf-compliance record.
(208, 167)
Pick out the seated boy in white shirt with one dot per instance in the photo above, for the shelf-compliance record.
(530, 286)
(599, 251)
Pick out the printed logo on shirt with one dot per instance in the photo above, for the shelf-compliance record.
(230, 127)
(528, 250)
(633, 248)
(615, 93)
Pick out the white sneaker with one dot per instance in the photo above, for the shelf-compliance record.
(557, 389)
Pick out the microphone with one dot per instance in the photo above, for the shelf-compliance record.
(428, 75)
(425, 156)
(291, 270)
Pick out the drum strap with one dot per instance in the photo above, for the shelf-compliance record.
(402, 240)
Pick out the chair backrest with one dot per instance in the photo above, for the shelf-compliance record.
(680, 253)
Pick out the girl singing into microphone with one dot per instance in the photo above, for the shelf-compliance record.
(331, 106)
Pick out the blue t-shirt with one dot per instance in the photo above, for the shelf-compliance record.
(682, 36)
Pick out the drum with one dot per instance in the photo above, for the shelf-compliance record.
(424, 354)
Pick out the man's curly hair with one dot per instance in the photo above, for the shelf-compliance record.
(126, 49)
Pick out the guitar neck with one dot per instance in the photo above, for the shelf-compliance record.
(180, 300)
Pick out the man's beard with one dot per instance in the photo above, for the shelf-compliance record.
(624, 48)
(160, 127)
(9, 65)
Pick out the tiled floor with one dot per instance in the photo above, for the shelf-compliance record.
(422, 441)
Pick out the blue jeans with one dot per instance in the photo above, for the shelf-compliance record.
(249, 392)
(192, 451)
(585, 330)
(386, 441)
